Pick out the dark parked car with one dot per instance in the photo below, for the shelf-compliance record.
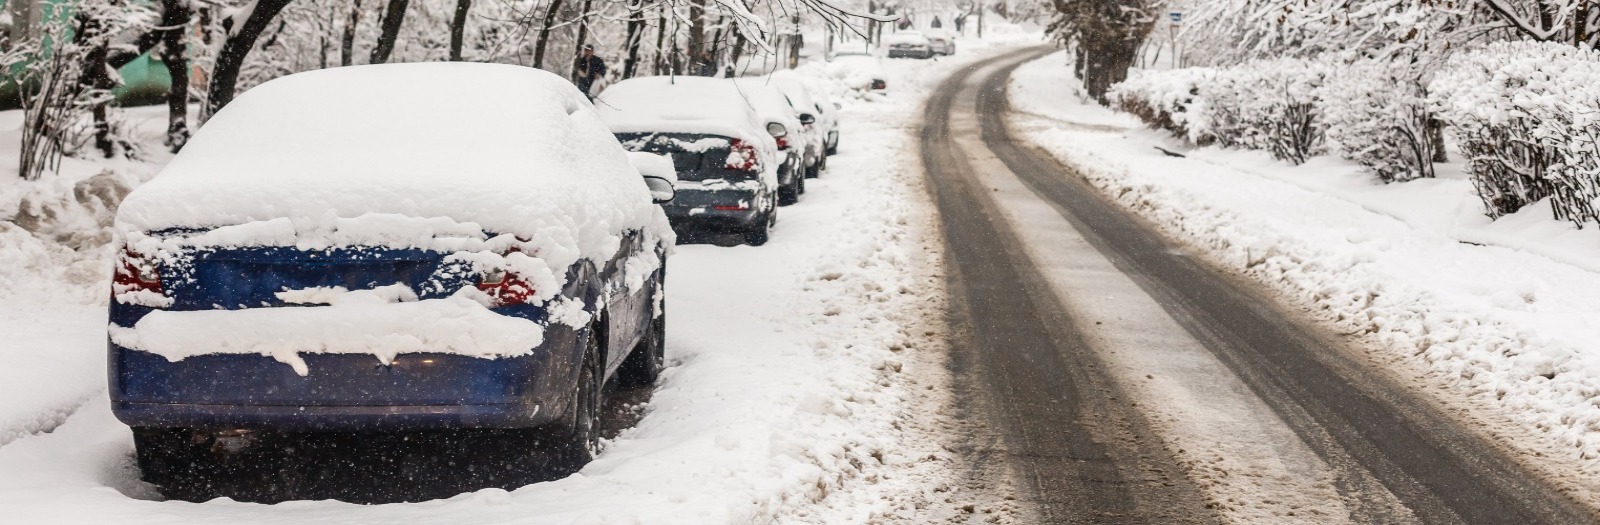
(387, 248)
(784, 124)
(726, 160)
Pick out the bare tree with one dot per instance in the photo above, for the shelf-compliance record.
(241, 38)
(458, 28)
(393, 17)
(1106, 36)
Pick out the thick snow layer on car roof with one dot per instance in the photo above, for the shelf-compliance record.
(908, 37)
(770, 103)
(679, 104)
(508, 148)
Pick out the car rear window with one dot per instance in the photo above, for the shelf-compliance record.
(694, 156)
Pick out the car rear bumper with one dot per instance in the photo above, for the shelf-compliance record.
(916, 53)
(715, 209)
(333, 418)
(346, 391)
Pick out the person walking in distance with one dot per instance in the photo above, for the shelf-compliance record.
(590, 69)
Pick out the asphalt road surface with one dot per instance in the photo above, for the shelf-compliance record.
(1132, 382)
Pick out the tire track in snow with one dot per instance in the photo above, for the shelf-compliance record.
(1070, 434)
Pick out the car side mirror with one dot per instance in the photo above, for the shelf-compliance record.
(807, 118)
(661, 190)
(777, 130)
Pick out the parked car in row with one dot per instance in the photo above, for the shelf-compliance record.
(727, 162)
(909, 44)
(784, 124)
(860, 70)
(813, 126)
(942, 41)
(394, 248)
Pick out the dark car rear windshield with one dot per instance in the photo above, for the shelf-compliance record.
(694, 156)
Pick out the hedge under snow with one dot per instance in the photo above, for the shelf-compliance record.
(1523, 113)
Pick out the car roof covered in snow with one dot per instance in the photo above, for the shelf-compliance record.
(799, 91)
(770, 102)
(908, 37)
(680, 104)
(509, 148)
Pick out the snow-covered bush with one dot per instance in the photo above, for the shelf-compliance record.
(1376, 114)
(1268, 105)
(1162, 99)
(1527, 116)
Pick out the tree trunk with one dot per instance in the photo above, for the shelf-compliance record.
(583, 35)
(389, 27)
(661, 40)
(697, 29)
(347, 41)
(225, 74)
(544, 33)
(635, 34)
(458, 29)
(738, 47)
(175, 19)
(96, 76)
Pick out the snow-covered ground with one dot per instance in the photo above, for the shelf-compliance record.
(1500, 318)
(805, 381)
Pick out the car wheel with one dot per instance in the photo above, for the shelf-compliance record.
(578, 439)
(644, 365)
(761, 234)
(801, 185)
(833, 143)
(163, 454)
(788, 194)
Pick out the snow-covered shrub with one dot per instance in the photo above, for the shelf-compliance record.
(1527, 116)
(1162, 99)
(1268, 105)
(1376, 114)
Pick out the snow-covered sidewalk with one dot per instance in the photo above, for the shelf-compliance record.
(1502, 318)
(804, 382)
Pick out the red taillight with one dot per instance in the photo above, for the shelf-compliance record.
(783, 142)
(504, 288)
(742, 156)
(879, 84)
(134, 273)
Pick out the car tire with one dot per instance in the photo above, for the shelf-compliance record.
(644, 365)
(577, 439)
(789, 193)
(163, 454)
(762, 233)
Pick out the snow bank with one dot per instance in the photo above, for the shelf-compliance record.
(55, 267)
(1502, 330)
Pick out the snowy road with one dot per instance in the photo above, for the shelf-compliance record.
(1134, 382)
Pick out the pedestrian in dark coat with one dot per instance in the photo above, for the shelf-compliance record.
(590, 69)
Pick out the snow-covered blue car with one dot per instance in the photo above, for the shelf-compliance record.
(385, 248)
